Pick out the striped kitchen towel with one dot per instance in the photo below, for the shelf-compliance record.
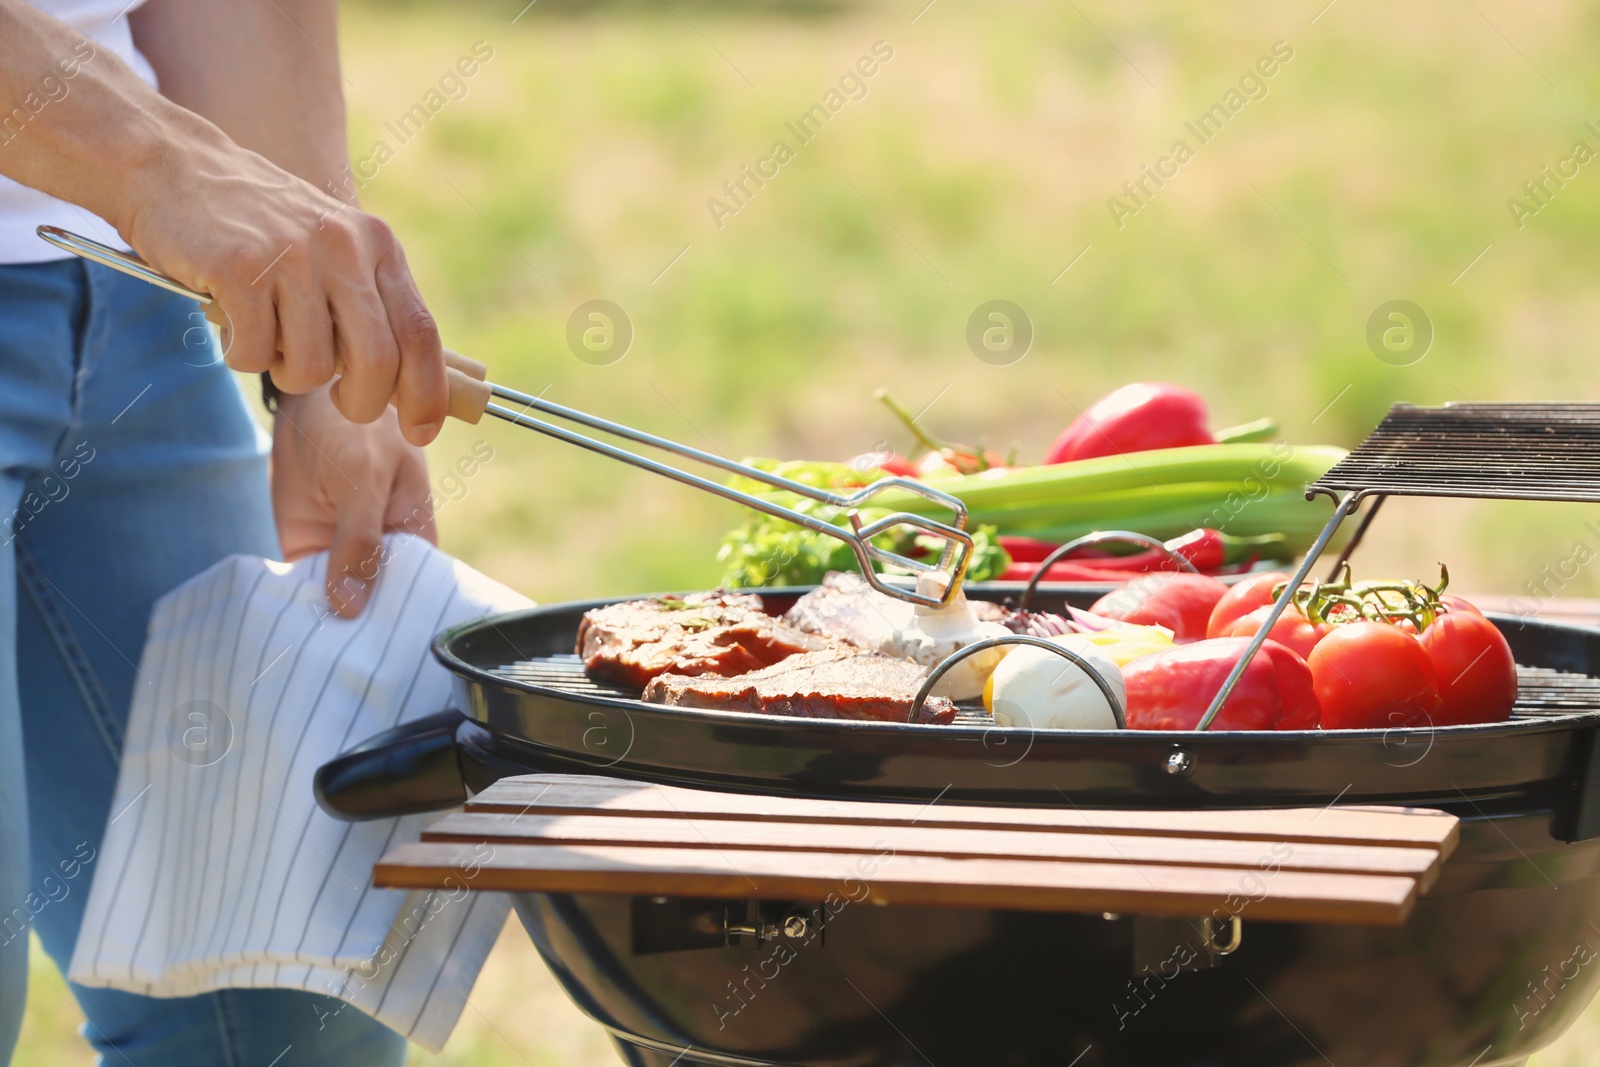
(218, 869)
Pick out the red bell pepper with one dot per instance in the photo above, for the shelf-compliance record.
(1171, 690)
(1180, 602)
(1135, 418)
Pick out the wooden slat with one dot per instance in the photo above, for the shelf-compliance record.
(775, 836)
(1028, 885)
(580, 794)
(579, 834)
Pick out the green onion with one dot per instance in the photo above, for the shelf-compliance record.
(1244, 489)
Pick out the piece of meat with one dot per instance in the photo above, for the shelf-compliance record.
(832, 684)
(715, 633)
(845, 607)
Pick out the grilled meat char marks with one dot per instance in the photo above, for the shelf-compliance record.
(830, 684)
(713, 633)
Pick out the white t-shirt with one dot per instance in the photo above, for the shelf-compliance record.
(22, 209)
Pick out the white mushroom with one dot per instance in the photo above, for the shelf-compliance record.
(934, 633)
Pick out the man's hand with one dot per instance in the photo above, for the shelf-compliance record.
(221, 182)
(300, 278)
(341, 486)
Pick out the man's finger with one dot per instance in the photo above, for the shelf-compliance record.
(306, 336)
(423, 396)
(249, 329)
(356, 552)
(369, 354)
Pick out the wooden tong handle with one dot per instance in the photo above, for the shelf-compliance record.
(469, 389)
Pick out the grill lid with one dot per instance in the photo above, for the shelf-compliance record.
(1467, 450)
(1504, 451)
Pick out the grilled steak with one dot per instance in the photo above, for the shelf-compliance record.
(831, 684)
(845, 607)
(705, 633)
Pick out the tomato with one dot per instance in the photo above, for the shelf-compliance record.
(1241, 599)
(1171, 690)
(888, 462)
(1477, 673)
(951, 461)
(1460, 605)
(1181, 602)
(1370, 675)
(1292, 630)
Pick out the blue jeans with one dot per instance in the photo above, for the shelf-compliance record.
(128, 463)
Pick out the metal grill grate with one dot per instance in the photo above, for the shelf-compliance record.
(1541, 693)
(1506, 451)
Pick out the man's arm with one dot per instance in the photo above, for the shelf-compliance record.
(264, 71)
(291, 267)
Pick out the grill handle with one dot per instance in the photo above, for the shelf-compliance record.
(409, 769)
(1101, 537)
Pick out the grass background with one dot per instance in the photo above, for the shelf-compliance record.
(978, 166)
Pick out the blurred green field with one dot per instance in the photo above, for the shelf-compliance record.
(978, 165)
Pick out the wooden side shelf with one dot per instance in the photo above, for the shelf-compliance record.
(579, 834)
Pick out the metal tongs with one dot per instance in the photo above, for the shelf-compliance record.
(471, 395)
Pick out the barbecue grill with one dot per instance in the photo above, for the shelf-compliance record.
(953, 987)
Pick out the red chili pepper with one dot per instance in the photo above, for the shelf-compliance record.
(1135, 418)
(1032, 550)
(1066, 571)
(1171, 690)
(1208, 550)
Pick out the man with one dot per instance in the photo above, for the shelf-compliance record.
(128, 459)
